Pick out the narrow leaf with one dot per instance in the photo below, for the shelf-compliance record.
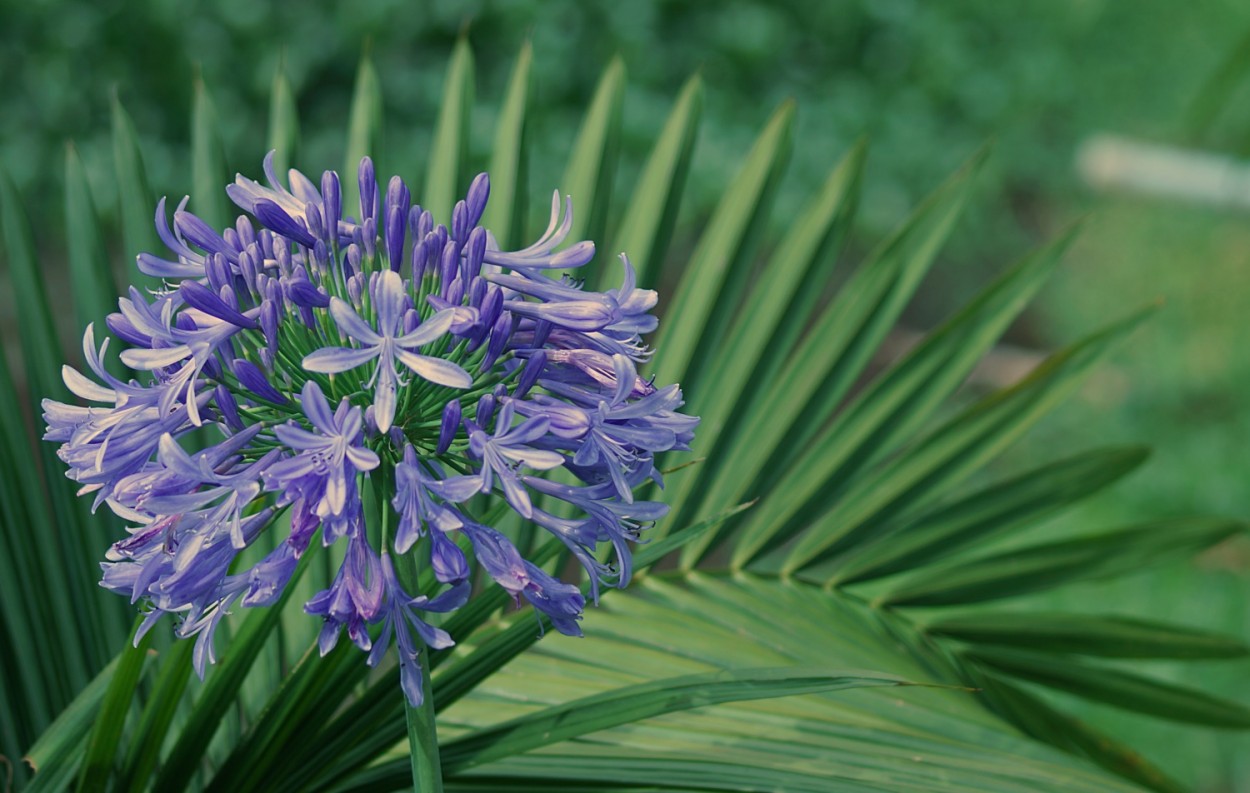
(208, 160)
(63, 556)
(449, 150)
(1121, 689)
(806, 383)
(221, 687)
(283, 121)
(592, 163)
(308, 697)
(28, 600)
(364, 131)
(91, 278)
(134, 195)
(1045, 566)
(56, 755)
(647, 227)
(917, 478)
(712, 284)
(897, 403)
(158, 714)
(106, 731)
(505, 214)
(648, 700)
(776, 310)
(996, 510)
(1038, 719)
(40, 349)
(1081, 634)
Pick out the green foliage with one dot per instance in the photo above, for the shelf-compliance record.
(718, 673)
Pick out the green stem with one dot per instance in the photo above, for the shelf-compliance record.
(427, 769)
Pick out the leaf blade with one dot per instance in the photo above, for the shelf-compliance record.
(592, 162)
(647, 700)
(1040, 567)
(706, 294)
(364, 130)
(283, 138)
(505, 214)
(648, 223)
(1120, 689)
(999, 508)
(950, 452)
(208, 159)
(449, 150)
(1083, 634)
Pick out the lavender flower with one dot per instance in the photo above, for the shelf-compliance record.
(316, 346)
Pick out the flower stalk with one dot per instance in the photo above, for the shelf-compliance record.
(427, 769)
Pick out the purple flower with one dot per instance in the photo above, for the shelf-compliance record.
(328, 459)
(508, 448)
(415, 501)
(401, 619)
(387, 347)
(315, 345)
(354, 599)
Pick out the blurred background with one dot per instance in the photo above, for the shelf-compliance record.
(927, 83)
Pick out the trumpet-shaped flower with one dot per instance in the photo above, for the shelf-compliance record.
(311, 348)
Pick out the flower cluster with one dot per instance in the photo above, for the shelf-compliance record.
(313, 365)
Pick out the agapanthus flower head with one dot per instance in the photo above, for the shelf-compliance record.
(310, 346)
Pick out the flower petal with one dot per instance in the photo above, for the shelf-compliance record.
(430, 330)
(332, 360)
(436, 370)
(350, 322)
